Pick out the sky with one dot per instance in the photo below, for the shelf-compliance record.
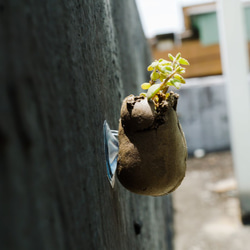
(163, 16)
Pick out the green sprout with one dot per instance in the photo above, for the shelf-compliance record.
(164, 74)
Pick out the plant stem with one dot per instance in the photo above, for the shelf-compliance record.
(167, 79)
(165, 90)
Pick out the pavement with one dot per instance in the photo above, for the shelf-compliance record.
(207, 210)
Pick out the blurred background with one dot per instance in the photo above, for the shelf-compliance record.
(212, 207)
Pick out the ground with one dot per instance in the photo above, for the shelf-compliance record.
(207, 210)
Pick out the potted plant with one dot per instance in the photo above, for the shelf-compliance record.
(152, 147)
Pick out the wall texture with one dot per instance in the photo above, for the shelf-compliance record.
(202, 110)
(65, 67)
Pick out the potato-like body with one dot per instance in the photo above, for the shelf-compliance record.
(152, 147)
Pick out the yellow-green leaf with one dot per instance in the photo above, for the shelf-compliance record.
(179, 77)
(169, 68)
(177, 85)
(174, 82)
(145, 85)
(154, 64)
(183, 61)
(162, 69)
(171, 57)
(150, 68)
(178, 56)
(143, 94)
(154, 76)
(162, 77)
(153, 90)
(164, 62)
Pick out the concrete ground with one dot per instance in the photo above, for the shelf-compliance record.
(207, 210)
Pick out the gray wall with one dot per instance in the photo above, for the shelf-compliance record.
(65, 67)
(202, 111)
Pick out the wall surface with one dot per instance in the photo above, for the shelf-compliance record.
(202, 111)
(65, 67)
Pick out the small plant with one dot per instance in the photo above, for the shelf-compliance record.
(164, 74)
(152, 146)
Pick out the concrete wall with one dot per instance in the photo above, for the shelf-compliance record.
(65, 67)
(203, 114)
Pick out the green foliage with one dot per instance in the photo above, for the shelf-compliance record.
(153, 90)
(164, 74)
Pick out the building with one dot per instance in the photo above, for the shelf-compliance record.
(199, 42)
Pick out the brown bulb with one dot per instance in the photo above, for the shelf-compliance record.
(152, 146)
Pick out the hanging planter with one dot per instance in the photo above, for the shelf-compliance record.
(152, 147)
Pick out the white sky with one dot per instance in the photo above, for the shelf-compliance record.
(163, 16)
